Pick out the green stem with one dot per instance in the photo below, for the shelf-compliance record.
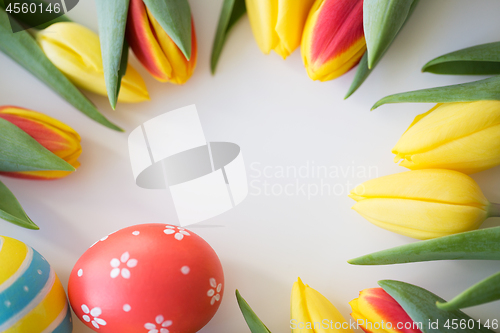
(494, 210)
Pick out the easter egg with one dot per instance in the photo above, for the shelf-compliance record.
(152, 278)
(32, 299)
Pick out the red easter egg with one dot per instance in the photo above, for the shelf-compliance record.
(151, 278)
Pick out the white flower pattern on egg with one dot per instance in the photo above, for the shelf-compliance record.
(178, 234)
(94, 316)
(162, 325)
(125, 272)
(214, 291)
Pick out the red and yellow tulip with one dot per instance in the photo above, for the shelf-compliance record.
(333, 41)
(278, 24)
(155, 49)
(377, 312)
(52, 134)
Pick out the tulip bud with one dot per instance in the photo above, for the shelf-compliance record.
(312, 312)
(52, 134)
(423, 204)
(376, 311)
(155, 49)
(457, 136)
(278, 24)
(75, 50)
(333, 41)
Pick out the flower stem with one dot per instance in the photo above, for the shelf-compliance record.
(494, 210)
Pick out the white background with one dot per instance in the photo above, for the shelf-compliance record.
(279, 117)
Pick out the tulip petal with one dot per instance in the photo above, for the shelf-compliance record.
(476, 60)
(292, 16)
(483, 244)
(232, 11)
(308, 307)
(23, 49)
(253, 322)
(11, 210)
(382, 21)
(482, 90)
(333, 40)
(263, 15)
(174, 16)
(420, 305)
(429, 185)
(112, 16)
(483, 292)
(420, 219)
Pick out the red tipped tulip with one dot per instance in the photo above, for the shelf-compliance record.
(52, 134)
(155, 49)
(377, 312)
(333, 41)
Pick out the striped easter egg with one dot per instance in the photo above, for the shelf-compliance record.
(32, 299)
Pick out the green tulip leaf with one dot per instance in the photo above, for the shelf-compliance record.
(174, 16)
(23, 49)
(420, 305)
(39, 19)
(382, 20)
(20, 152)
(253, 322)
(112, 15)
(11, 210)
(232, 11)
(481, 244)
(362, 72)
(482, 90)
(476, 60)
(485, 291)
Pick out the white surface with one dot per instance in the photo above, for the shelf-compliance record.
(279, 118)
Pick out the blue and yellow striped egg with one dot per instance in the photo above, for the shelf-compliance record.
(32, 299)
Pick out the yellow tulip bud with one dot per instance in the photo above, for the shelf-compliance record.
(312, 312)
(76, 52)
(423, 204)
(456, 136)
(277, 24)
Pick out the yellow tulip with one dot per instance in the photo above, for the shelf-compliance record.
(76, 52)
(457, 136)
(277, 24)
(312, 312)
(423, 204)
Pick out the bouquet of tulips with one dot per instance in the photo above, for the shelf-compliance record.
(437, 201)
(67, 56)
(334, 35)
